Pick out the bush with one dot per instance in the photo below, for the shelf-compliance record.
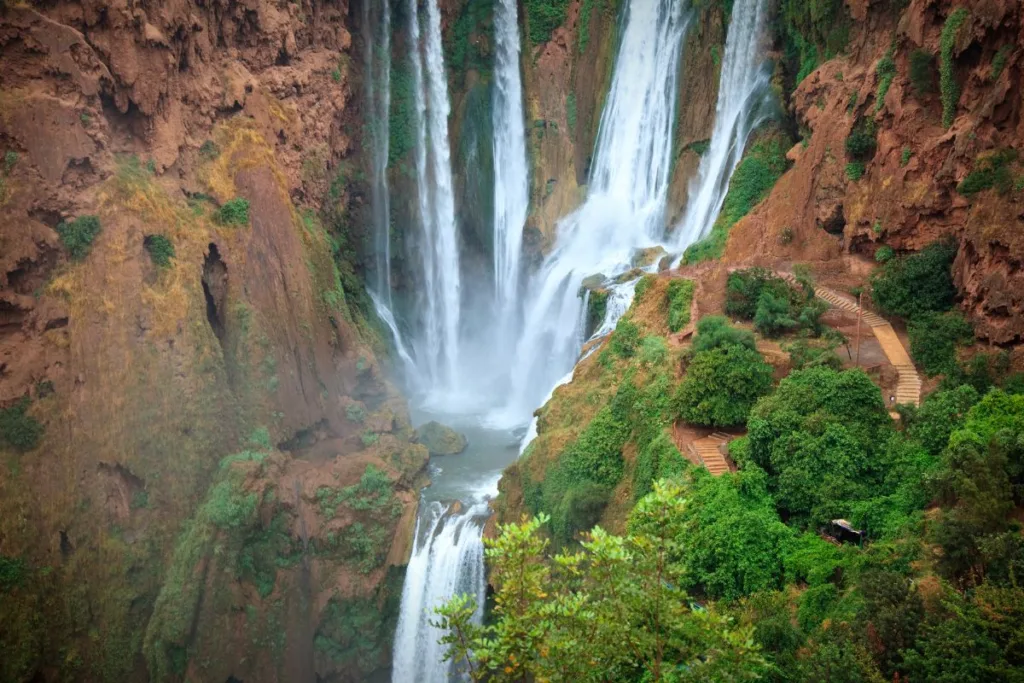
(78, 235)
(991, 172)
(950, 89)
(884, 254)
(18, 429)
(597, 308)
(999, 62)
(715, 332)
(722, 385)
(234, 212)
(625, 339)
(12, 573)
(905, 156)
(803, 354)
(543, 17)
(917, 283)
(940, 414)
(743, 289)
(861, 142)
(653, 351)
(922, 72)
(161, 249)
(934, 338)
(886, 71)
(680, 298)
(855, 170)
(659, 459)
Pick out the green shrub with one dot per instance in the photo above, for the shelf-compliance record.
(625, 339)
(597, 308)
(905, 156)
(680, 299)
(722, 385)
(940, 415)
(812, 32)
(658, 459)
(917, 283)
(886, 71)
(570, 111)
(992, 171)
(13, 573)
(161, 249)
(369, 438)
(861, 143)
(18, 429)
(642, 285)
(209, 150)
(10, 159)
(743, 289)
(78, 235)
(543, 17)
(949, 88)
(355, 412)
(228, 507)
(884, 254)
(653, 351)
(715, 332)
(934, 338)
(855, 170)
(922, 72)
(999, 62)
(234, 212)
(804, 354)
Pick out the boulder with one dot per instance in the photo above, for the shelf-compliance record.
(441, 440)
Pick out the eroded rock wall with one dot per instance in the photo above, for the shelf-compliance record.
(230, 131)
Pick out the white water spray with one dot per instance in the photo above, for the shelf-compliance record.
(437, 351)
(741, 91)
(511, 190)
(624, 210)
(447, 559)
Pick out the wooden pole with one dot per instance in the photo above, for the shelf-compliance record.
(860, 312)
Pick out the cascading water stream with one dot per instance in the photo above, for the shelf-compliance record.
(447, 559)
(625, 205)
(739, 111)
(377, 84)
(437, 349)
(511, 190)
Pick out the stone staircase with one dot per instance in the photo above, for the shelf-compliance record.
(908, 386)
(708, 452)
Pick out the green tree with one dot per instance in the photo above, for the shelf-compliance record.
(722, 385)
(615, 610)
(917, 283)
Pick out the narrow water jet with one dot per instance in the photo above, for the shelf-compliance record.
(738, 112)
(437, 347)
(511, 189)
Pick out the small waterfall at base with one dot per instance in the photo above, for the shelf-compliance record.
(436, 350)
(511, 191)
(742, 87)
(447, 559)
(376, 31)
(624, 209)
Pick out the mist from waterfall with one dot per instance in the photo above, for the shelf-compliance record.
(625, 205)
(436, 347)
(511, 188)
(742, 91)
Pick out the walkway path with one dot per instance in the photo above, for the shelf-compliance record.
(908, 387)
(708, 452)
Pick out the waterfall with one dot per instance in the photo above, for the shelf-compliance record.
(377, 86)
(437, 352)
(447, 559)
(511, 191)
(742, 86)
(625, 205)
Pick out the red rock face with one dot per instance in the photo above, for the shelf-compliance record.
(908, 195)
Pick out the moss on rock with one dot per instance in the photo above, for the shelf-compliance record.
(441, 440)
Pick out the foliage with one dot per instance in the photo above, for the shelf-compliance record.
(812, 32)
(905, 156)
(815, 437)
(754, 177)
(13, 572)
(715, 332)
(948, 86)
(653, 351)
(805, 354)
(18, 429)
(916, 283)
(613, 611)
(658, 459)
(355, 412)
(543, 17)
(402, 115)
(855, 170)
(597, 308)
(234, 212)
(886, 71)
(999, 62)
(861, 143)
(884, 254)
(993, 171)
(570, 111)
(934, 338)
(78, 235)
(608, 7)
(680, 299)
(722, 382)
(464, 45)
(625, 339)
(160, 248)
(939, 415)
(922, 72)
(775, 306)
